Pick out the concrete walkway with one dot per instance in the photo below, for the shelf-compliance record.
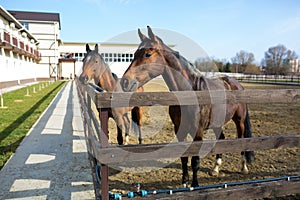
(51, 162)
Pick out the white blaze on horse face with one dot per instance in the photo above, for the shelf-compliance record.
(88, 58)
(141, 47)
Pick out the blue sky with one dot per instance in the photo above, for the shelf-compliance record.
(221, 27)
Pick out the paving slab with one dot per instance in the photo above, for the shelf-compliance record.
(52, 161)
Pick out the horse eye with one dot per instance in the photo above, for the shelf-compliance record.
(147, 55)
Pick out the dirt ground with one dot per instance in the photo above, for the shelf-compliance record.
(267, 119)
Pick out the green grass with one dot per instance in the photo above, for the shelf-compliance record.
(22, 112)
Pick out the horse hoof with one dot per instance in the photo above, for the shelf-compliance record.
(184, 185)
(195, 184)
(214, 173)
(221, 174)
(245, 171)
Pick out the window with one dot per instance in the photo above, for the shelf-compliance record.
(25, 25)
(108, 57)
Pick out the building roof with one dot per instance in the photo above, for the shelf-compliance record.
(11, 19)
(35, 16)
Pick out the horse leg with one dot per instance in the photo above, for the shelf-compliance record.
(175, 115)
(185, 174)
(136, 116)
(118, 120)
(240, 132)
(126, 122)
(195, 162)
(220, 135)
(119, 136)
(140, 114)
(195, 167)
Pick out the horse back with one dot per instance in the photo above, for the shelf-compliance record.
(216, 83)
(216, 115)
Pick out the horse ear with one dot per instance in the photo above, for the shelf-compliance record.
(153, 37)
(87, 48)
(150, 33)
(96, 47)
(142, 36)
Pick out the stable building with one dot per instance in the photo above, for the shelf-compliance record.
(118, 56)
(19, 52)
(45, 27)
(31, 49)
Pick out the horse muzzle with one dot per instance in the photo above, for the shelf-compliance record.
(129, 86)
(84, 79)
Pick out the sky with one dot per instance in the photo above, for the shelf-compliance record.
(220, 27)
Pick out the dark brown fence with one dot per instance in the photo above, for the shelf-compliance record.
(100, 152)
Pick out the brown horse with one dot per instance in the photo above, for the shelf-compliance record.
(154, 58)
(95, 68)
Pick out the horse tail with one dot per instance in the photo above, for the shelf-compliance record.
(249, 155)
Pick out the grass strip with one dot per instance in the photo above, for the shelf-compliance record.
(22, 108)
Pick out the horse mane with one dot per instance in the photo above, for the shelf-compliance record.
(187, 65)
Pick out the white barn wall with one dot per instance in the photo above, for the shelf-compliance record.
(113, 48)
(18, 52)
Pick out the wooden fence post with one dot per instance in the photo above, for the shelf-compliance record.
(104, 143)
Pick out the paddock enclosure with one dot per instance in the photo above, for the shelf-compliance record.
(274, 112)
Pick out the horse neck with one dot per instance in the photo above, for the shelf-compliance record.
(106, 79)
(176, 75)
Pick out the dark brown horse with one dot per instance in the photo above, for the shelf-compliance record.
(154, 58)
(95, 68)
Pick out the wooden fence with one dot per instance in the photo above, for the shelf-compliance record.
(102, 153)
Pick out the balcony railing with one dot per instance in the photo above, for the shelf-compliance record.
(15, 41)
(6, 37)
(12, 43)
(22, 45)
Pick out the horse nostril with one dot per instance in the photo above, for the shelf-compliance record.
(86, 79)
(125, 83)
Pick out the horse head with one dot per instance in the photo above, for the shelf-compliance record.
(149, 62)
(92, 63)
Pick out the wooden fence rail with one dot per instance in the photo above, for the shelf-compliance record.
(108, 99)
(131, 153)
(101, 153)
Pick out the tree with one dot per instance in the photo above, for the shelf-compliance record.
(206, 65)
(252, 69)
(277, 60)
(241, 60)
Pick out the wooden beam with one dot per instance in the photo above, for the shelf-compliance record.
(112, 99)
(249, 191)
(129, 153)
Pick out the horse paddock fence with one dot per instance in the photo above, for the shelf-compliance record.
(101, 154)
